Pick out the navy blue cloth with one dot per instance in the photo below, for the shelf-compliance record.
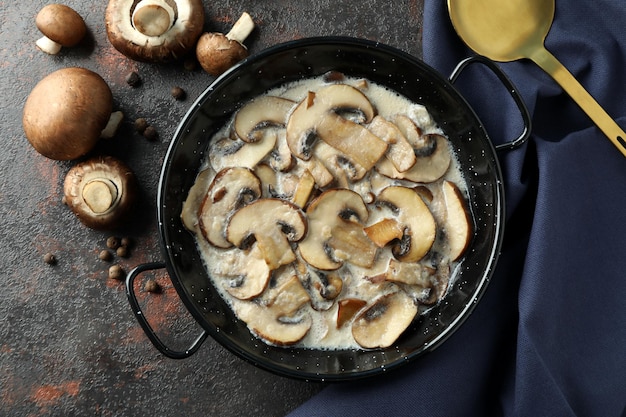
(549, 336)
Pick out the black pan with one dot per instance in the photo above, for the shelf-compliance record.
(293, 61)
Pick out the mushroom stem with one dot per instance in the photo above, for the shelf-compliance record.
(112, 125)
(48, 46)
(100, 195)
(241, 29)
(153, 17)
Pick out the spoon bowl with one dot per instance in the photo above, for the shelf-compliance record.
(508, 30)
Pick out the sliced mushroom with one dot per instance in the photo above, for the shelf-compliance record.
(433, 161)
(323, 177)
(231, 189)
(412, 217)
(100, 191)
(66, 112)
(280, 322)
(61, 26)
(261, 112)
(217, 52)
(381, 324)
(400, 151)
(247, 273)
(154, 30)
(269, 180)
(410, 273)
(281, 159)
(457, 225)
(336, 233)
(322, 118)
(270, 224)
(344, 170)
(229, 152)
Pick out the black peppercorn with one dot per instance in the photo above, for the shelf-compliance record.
(152, 286)
(126, 241)
(141, 124)
(113, 242)
(178, 93)
(105, 255)
(122, 251)
(116, 272)
(133, 79)
(50, 259)
(150, 133)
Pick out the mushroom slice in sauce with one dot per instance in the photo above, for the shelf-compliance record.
(336, 233)
(260, 113)
(321, 117)
(400, 152)
(384, 321)
(229, 152)
(270, 224)
(231, 189)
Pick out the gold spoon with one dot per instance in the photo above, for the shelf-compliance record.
(508, 30)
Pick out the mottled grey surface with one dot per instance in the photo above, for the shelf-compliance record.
(69, 344)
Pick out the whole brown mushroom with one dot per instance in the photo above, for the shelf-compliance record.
(65, 113)
(217, 52)
(154, 30)
(100, 191)
(61, 26)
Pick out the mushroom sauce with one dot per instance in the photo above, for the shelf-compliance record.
(371, 242)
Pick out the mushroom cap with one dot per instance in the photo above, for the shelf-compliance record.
(105, 171)
(170, 46)
(216, 53)
(66, 111)
(61, 23)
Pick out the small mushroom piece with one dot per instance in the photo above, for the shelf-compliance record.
(336, 233)
(154, 30)
(400, 151)
(259, 113)
(347, 308)
(61, 26)
(230, 190)
(280, 322)
(381, 324)
(270, 224)
(100, 191)
(217, 52)
(66, 112)
(413, 218)
(323, 119)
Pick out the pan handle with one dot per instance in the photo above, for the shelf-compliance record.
(141, 318)
(523, 137)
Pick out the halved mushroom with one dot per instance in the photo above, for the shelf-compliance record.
(229, 152)
(400, 151)
(457, 225)
(336, 233)
(247, 273)
(154, 30)
(412, 229)
(322, 117)
(381, 324)
(231, 189)
(259, 113)
(279, 321)
(100, 191)
(270, 224)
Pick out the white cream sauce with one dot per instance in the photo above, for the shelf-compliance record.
(324, 333)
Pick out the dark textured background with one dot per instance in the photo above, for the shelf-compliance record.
(69, 344)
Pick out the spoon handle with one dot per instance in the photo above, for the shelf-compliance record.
(587, 103)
